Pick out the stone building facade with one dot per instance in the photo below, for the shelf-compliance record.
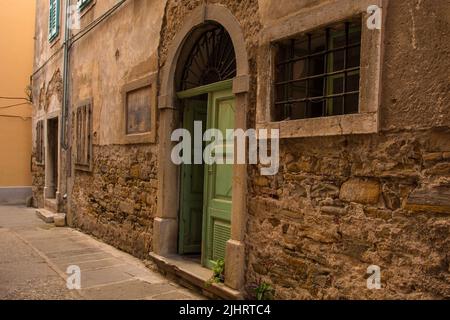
(370, 187)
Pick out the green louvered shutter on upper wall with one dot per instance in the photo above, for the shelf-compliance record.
(53, 20)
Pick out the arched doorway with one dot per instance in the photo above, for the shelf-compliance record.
(171, 107)
(206, 67)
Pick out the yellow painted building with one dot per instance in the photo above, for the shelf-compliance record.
(17, 22)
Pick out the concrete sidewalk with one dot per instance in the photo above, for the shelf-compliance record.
(34, 258)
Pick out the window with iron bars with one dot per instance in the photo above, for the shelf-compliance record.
(317, 74)
(83, 130)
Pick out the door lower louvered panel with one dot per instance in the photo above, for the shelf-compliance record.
(221, 234)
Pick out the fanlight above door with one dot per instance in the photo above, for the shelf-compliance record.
(211, 59)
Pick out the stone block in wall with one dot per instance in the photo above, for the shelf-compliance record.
(127, 207)
(360, 191)
(429, 199)
(261, 181)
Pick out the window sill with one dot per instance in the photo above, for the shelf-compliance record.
(360, 123)
(86, 8)
(83, 168)
(139, 138)
(53, 41)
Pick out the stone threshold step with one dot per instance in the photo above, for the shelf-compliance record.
(193, 274)
(59, 219)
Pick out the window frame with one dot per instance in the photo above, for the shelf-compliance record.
(40, 143)
(291, 56)
(83, 4)
(307, 20)
(149, 136)
(86, 163)
(54, 34)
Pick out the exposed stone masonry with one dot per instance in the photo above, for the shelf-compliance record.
(339, 205)
(117, 201)
(38, 182)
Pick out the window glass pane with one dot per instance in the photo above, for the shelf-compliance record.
(316, 87)
(283, 51)
(353, 57)
(316, 65)
(282, 111)
(299, 110)
(282, 72)
(336, 61)
(301, 47)
(299, 90)
(335, 106)
(316, 108)
(353, 82)
(354, 36)
(299, 69)
(318, 41)
(337, 39)
(282, 92)
(336, 84)
(351, 103)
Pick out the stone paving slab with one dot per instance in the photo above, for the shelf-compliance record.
(63, 262)
(92, 265)
(111, 275)
(34, 258)
(175, 295)
(130, 290)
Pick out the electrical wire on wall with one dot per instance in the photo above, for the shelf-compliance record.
(28, 102)
(15, 116)
(16, 105)
(14, 98)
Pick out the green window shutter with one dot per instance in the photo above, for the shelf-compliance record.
(53, 21)
(82, 4)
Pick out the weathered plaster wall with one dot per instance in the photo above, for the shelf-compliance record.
(416, 78)
(339, 205)
(117, 200)
(121, 49)
(46, 86)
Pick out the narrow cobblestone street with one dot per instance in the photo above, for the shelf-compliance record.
(34, 258)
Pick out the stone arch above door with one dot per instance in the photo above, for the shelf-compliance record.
(202, 14)
(165, 231)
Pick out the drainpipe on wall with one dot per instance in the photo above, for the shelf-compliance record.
(64, 144)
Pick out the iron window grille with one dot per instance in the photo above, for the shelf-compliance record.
(318, 74)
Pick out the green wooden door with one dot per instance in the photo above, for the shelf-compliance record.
(192, 185)
(218, 183)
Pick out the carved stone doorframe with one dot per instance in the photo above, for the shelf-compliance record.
(165, 229)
